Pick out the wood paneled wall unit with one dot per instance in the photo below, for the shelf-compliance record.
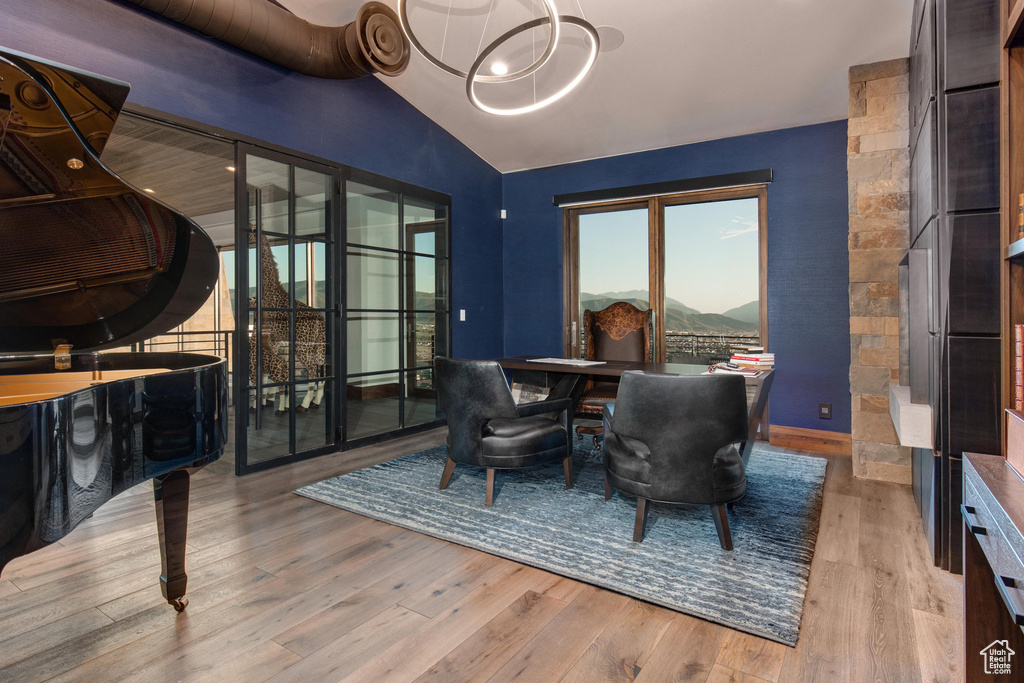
(957, 103)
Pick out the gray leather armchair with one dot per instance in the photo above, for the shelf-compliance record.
(487, 429)
(677, 439)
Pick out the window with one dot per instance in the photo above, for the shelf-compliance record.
(696, 259)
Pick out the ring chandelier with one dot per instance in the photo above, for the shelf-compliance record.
(473, 76)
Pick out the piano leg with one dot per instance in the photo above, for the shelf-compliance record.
(171, 491)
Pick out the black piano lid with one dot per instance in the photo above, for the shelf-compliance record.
(85, 258)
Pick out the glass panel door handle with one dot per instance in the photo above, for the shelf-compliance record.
(258, 313)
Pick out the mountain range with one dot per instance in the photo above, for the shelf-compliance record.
(682, 318)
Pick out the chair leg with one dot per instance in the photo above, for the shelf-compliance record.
(607, 487)
(449, 467)
(722, 524)
(641, 520)
(490, 487)
(730, 506)
(567, 468)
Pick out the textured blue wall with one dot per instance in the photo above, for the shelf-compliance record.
(364, 124)
(808, 264)
(360, 123)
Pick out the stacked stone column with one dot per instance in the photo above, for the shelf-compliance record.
(878, 167)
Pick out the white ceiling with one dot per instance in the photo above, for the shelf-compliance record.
(687, 71)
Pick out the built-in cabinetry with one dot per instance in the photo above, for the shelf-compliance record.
(1012, 157)
(950, 309)
(993, 522)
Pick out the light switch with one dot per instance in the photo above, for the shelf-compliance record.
(462, 315)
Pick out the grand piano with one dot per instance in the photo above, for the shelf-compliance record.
(87, 262)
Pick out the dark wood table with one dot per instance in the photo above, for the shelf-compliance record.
(757, 395)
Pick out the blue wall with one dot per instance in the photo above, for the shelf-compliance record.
(360, 123)
(507, 277)
(808, 263)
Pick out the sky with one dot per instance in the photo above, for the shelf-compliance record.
(711, 253)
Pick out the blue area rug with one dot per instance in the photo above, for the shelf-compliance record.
(759, 587)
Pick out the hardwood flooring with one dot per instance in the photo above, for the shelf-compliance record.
(283, 588)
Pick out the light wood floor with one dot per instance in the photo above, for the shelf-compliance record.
(283, 588)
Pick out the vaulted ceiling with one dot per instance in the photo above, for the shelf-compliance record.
(686, 70)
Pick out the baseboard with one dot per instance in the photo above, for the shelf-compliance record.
(811, 439)
(356, 392)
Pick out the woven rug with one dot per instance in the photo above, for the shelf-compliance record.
(759, 587)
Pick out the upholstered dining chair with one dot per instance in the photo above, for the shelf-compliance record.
(619, 332)
(677, 439)
(487, 429)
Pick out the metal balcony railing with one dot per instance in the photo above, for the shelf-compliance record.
(688, 347)
(212, 342)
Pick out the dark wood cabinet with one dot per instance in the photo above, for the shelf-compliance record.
(954, 231)
(922, 70)
(974, 408)
(971, 47)
(974, 274)
(927, 468)
(923, 188)
(971, 130)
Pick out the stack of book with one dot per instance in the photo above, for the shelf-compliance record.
(758, 361)
(733, 369)
(746, 348)
(1018, 367)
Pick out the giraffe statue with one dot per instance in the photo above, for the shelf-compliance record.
(274, 370)
(310, 327)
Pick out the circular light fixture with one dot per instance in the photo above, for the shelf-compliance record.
(552, 18)
(75, 164)
(472, 77)
(499, 68)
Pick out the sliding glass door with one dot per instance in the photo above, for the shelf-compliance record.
(397, 316)
(302, 293)
(290, 311)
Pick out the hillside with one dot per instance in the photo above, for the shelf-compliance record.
(678, 316)
(748, 313)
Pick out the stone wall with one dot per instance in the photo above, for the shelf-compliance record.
(878, 166)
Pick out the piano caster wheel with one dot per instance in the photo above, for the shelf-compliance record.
(179, 604)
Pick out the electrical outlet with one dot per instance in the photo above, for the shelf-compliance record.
(825, 411)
